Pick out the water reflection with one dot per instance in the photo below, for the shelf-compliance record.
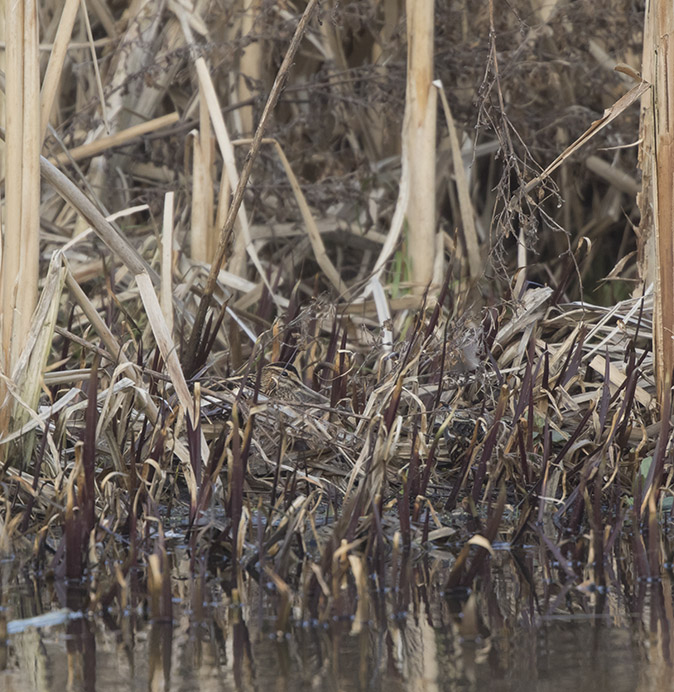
(515, 630)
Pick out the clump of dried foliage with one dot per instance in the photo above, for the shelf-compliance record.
(473, 399)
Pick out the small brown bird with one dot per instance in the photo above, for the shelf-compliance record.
(279, 382)
(282, 381)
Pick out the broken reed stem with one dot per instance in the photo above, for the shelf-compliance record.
(202, 232)
(274, 94)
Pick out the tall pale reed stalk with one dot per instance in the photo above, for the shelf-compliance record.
(419, 131)
(657, 197)
(19, 269)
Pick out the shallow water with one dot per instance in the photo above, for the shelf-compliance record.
(515, 631)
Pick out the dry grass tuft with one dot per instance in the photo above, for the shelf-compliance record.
(503, 403)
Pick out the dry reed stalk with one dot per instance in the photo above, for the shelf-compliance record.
(250, 63)
(419, 131)
(223, 197)
(57, 57)
(661, 165)
(646, 237)
(202, 240)
(465, 205)
(116, 140)
(94, 63)
(18, 283)
(166, 297)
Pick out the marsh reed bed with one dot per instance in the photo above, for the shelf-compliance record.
(226, 188)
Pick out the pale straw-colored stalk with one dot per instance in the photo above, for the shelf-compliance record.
(463, 192)
(202, 240)
(166, 296)
(657, 160)
(22, 188)
(117, 139)
(420, 106)
(57, 56)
